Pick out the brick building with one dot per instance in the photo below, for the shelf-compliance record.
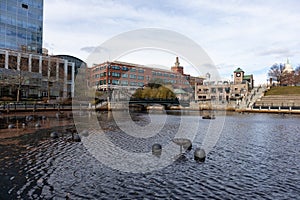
(110, 75)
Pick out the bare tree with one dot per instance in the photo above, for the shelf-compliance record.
(297, 75)
(15, 76)
(276, 72)
(288, 78)
(21, 76)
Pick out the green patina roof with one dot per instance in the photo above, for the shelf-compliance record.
(239, 70)
(246, 77)
(179, 91)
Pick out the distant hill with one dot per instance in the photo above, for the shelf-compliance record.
(284, 90)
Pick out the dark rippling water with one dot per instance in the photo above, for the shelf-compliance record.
(256, 157)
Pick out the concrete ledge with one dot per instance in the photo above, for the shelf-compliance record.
(282, 111)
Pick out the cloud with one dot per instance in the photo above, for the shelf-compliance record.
(278, 52)
(239, 33)
(88, 49)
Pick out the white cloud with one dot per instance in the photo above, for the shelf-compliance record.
(249, 34)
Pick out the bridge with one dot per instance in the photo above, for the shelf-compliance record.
(144, 103)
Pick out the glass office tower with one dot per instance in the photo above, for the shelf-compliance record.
(21, 25)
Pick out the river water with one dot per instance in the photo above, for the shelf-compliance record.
(255, 157)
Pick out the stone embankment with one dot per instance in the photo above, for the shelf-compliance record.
(277, 104)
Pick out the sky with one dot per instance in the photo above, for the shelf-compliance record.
(251, 35)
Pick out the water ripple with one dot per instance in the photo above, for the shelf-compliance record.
(257, 157)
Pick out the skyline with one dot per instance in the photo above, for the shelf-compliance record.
(234, 34)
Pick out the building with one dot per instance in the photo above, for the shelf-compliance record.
(288, 67)
(224, 91)
(110, 75)
(78, 62)
(37, 76)
(21, 25)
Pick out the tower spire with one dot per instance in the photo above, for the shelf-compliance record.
(177, 63)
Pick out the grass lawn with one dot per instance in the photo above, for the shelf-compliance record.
(284, 90)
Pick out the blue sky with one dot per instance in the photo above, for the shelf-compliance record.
(248, 34)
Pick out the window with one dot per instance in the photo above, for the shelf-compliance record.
(132, 76)
(115, 67)
(125, 68)
(124, 75)
(141, 84)
(115, 82)
(159, 74)
(141, 71)
(140, 77)
(133, 70)
(213, 90)
(133, 83)
(124, 83)
(24, 6)
(115, 74)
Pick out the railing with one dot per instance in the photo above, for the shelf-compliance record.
(7, 107)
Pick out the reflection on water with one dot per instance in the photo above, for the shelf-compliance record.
(257, 156)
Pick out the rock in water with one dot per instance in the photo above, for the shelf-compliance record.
(156, 149)
(199, 155)
(77, 138)
(54, 135)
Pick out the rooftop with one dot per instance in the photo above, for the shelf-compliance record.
(238, 70)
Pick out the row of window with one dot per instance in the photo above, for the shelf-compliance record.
(121, 82)
(116, 67)
(154, 73)
(22, 22)
(214, 90)
(118, 75)
(133, 76)
(214, 98)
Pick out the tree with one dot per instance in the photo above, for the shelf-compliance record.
(21, 77)
(297, 75)
(15, 76)
(288, 78)
(276, 72)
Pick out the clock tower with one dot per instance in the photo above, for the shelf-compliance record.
(238, 76)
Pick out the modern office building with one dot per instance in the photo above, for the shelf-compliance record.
(38, 76)
(21, 25)
(78, 62)
(110, 75)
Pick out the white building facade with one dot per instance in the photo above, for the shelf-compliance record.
(37, 75)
